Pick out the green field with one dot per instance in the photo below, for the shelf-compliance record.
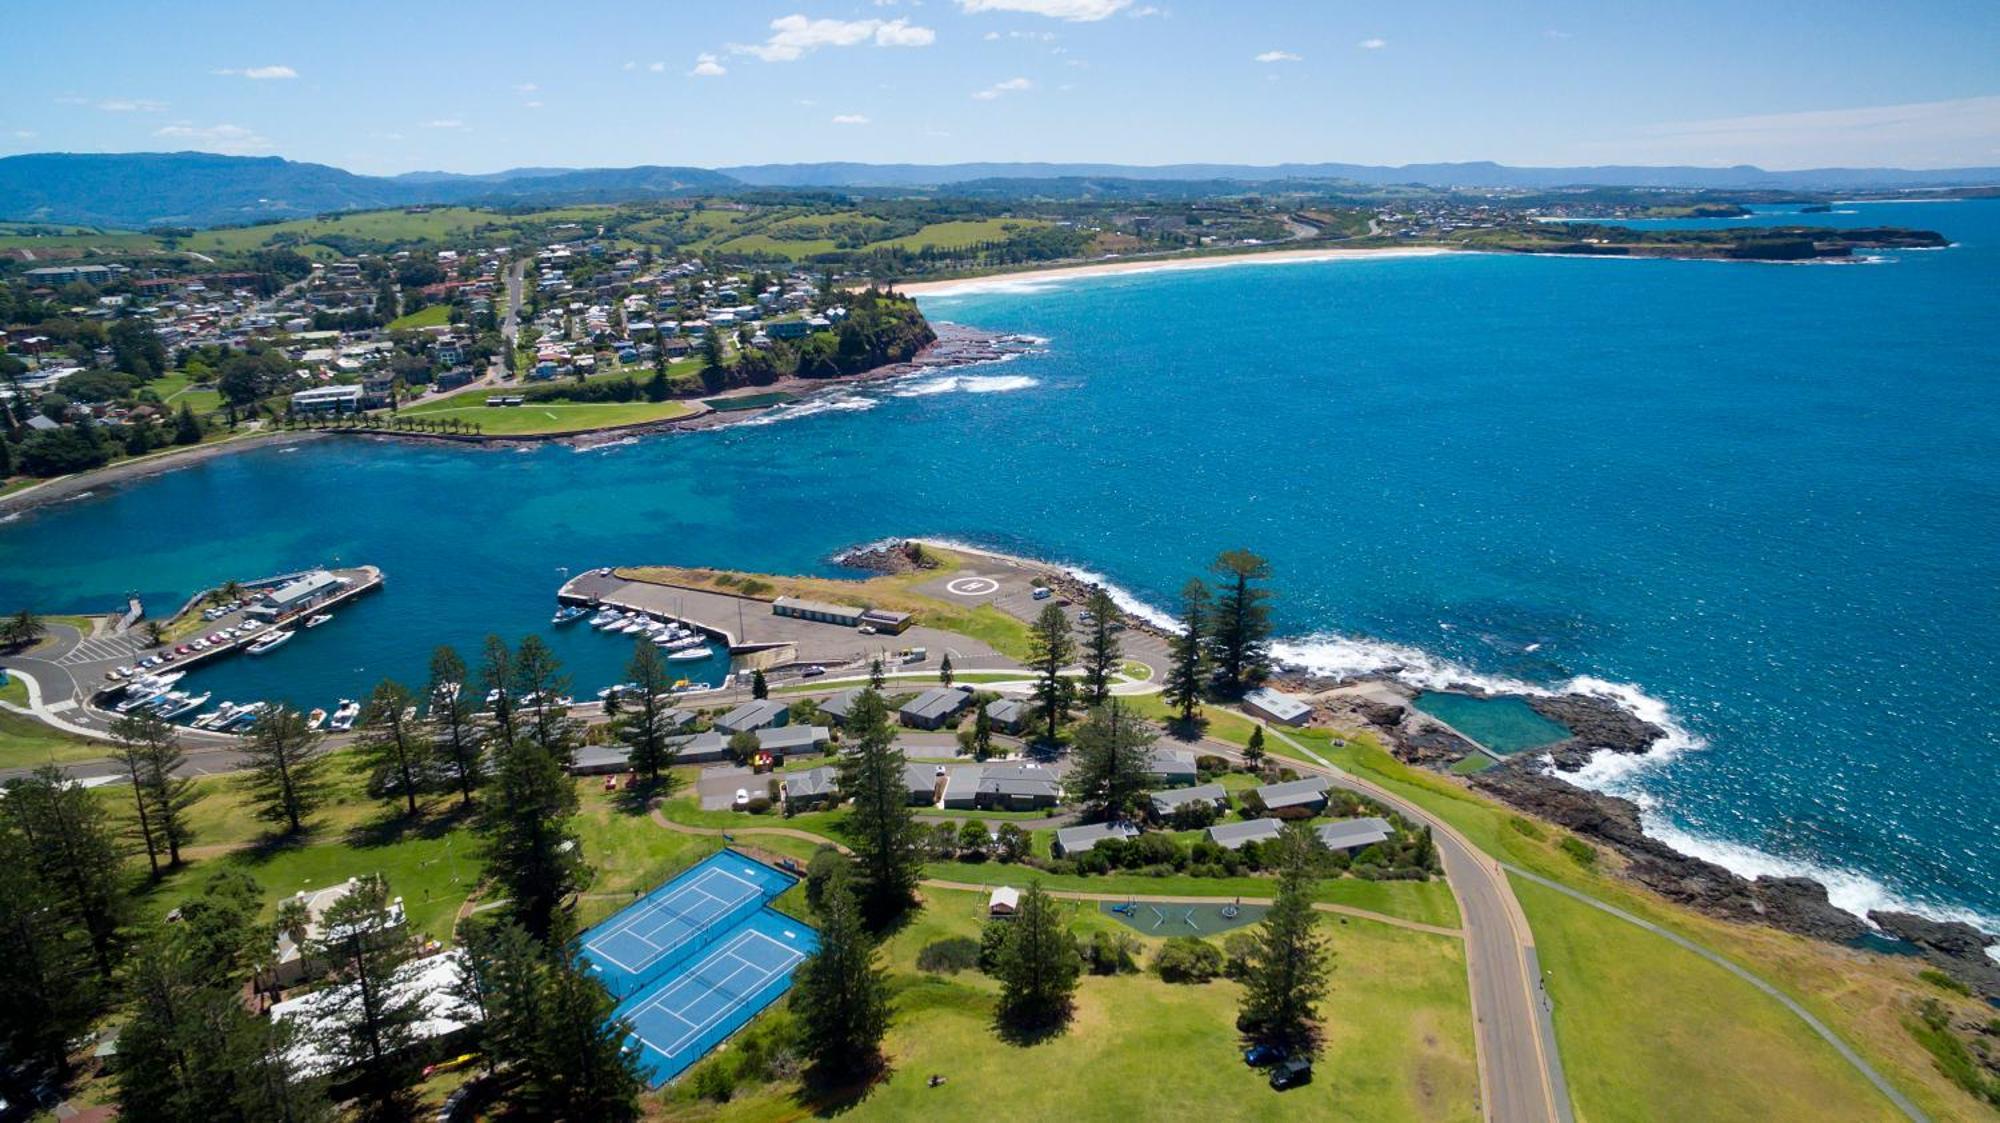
(1399, 1041)
(26, 743)
(551, 418)
(942, 235)
(392, 227)
(429, 316)
(174, 388)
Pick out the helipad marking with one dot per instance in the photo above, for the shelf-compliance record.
(972, 586)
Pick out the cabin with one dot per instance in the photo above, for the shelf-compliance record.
(935, 708)
(1166, 803)
(1273, 706)
(1232, 836)
(1351, 836)
(1071, 841)
(1172, 768)
(1309, 793)
(752, 716)
(812, 788)
(1009, 715)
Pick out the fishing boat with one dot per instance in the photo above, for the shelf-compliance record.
(621, 688)
(689, 654)
(140, 698)
(343, 718)
(568, 613)
(316, 718)
(270, 642)
(607, 619)
(214, 717)
(186, 705)
(316, 620)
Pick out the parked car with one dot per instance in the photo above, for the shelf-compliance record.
(1260, 1056)
(1291, 1073)
(1043, 592)
(813, 671)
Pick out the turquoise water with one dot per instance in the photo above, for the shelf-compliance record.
(1758, 500)
(1505, 725)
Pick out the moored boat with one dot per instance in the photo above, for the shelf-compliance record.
(568, 613)
(689, 654)
(316, 718)
(318, 619)
(270, 642)
(343, 718)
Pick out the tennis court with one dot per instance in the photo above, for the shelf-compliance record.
(679, 1018)
(706, 902)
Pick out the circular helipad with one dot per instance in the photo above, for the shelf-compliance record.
(972, 586)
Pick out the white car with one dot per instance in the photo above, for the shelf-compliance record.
(742, 797)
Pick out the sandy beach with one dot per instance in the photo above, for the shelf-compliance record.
(1159, 265)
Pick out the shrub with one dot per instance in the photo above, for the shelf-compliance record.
(991, 939)
(950, 956)
(1154, 850)
(1938, 978)
(1111, 953)
(713, 1081)
(1526, 827)
(1584, 853)
(1013, 843)
(1194, 816)
(1239, 954)
(819, 871)
(758, 805)
(1187, 959)
(1292, 814)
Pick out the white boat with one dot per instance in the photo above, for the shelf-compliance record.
(568, 613)
(317, 620)
(609, 618)
(621, 688)
(636, 624)
(343, 718)
(689, 654)
(139, 698)
(187, 705)
(686, 642)
(244, 716)
(270, 642)
(215, 717)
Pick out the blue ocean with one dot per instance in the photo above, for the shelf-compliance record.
(1759, 503)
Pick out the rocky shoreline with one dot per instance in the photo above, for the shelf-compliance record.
(1532, 782)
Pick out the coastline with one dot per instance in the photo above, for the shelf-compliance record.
(1162, 265)
(63, 488)
(1715, 876)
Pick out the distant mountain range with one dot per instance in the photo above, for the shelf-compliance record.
(142, 189)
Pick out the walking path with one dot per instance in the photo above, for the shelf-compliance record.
(1901, 1101)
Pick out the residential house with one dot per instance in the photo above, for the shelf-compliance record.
(1352, 835)
(836, 708)
(752, 716)
(1309, 793)
(921, 783)
(935, 708)
(812, 788)
(1172, 768)
(1009, 715)
(1232, 836)
(1071, 841)
(1167, 802)
(288, 962)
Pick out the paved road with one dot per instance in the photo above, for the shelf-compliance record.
(1520, 1072)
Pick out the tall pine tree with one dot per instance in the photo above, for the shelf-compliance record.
(1049, 651)
(577, 1064)
(394, 749)
(1187, 676)
(1102, 650)
(285, 770)
(531, 849)
(458, 741)
(881, 827)
(1113, 758)
(1241, 637)
(840, 995)
(1289, 974)
(1038, 966)
(649, 728)
(149, 753)
(369, 1016)
(75, 853)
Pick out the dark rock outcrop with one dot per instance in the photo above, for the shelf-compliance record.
(1958, 948)
(1595, 725)
(1794, 904)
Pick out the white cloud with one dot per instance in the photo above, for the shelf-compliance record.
(795, 36)
(656, 67)
(531, 105)
(1930, 134)
(1372, 44)
(445, 123)
(1075, 11)
(259, 72)
(1279, 56)
(1010, 86)
(227, 139)
(1555, 34)
(630, 66)
(526, 88)
(849, 119)
(707, 66)
(26, 134)
(1147, 11)
(118, 104)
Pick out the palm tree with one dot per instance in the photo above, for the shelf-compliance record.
(156, 634)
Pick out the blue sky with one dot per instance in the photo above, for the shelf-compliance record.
(390, 87)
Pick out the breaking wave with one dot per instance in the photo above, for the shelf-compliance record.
(967, 384)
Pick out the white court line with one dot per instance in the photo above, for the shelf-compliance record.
(657, 908)
(765, 975)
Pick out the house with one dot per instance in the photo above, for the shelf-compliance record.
(1273, 706)
(1009, 715)
(599, 760)
(1172, 768)
(921, 782)
(836, 708)
(1167, 802)
(935, 708)
(793, 740)
(702, 748)
(1003, 902)
(436, 983)
(752, 716)
(847, 616)
(1309, 793)
(886, 622)
(1352, 835)
(288, 960)
(1071, 841)
(327, 399)
(1232, 836)
(1002, 787)
(812, 788)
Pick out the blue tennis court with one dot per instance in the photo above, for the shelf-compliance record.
(648, 937)
(679, 1018)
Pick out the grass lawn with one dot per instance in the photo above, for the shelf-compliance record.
(1399, 1041)
(26, 743)
(175, 389)
(1727, 1051)
(429, 316)
(542, 419)
(1864, 998)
